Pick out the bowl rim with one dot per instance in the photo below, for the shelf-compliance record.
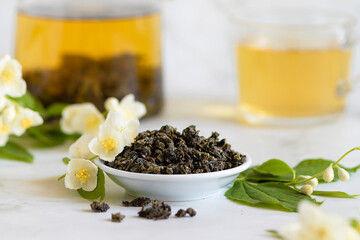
(175, 177)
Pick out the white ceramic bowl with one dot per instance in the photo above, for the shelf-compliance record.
(175, 187)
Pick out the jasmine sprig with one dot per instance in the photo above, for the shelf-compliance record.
(276, 185)
(104, 136)
(327, 174)
(14, 118)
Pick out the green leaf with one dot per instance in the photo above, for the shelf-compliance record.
(13, 151)
(351, 170)
(254, 176)
(47, 135)
(66, 160)
(272, 195)
(306, 167)
(274, 167)
(335, 194)
(29, 101)
(55, 109)
(313, 166)
(99, 191)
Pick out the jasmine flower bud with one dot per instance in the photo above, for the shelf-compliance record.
(343, 174)
(313, 182)
(307, 189)
(329, 174)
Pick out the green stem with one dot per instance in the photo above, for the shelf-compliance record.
(351, 150)
(294, 175)
(93, 158)
(306, 180)
(61, 177)
(241, 179)
(294, 183)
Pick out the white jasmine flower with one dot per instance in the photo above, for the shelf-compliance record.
(4, 133)
(329, 174)
(81, 173)
(11, 82)
(108, 144)
(81, 118)
(80, 148)
(316, 225)
(307, 189)
(343, 174)
(3, 101)
(24, 119)
(8, 114)
(129, 128)
(313, 182)
(128, 107)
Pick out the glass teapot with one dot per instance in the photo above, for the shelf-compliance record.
(88, 50)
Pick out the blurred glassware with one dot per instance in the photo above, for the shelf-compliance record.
(89, 50)
(293, 64)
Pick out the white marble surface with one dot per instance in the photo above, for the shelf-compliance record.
(34, 205)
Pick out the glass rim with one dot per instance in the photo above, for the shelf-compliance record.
(347, 20)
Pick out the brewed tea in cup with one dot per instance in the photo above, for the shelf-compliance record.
(293, 67)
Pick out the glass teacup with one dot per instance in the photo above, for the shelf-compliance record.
(293, 65)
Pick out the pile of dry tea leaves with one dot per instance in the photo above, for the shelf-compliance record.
(167, 151)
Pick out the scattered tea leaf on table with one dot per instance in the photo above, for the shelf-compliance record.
(335, 194)
(13, 151)
(274, 167)
(98, 192)
(273, 195)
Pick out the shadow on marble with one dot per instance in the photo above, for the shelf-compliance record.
(48, 187)
(115, 194)
(87, 210)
